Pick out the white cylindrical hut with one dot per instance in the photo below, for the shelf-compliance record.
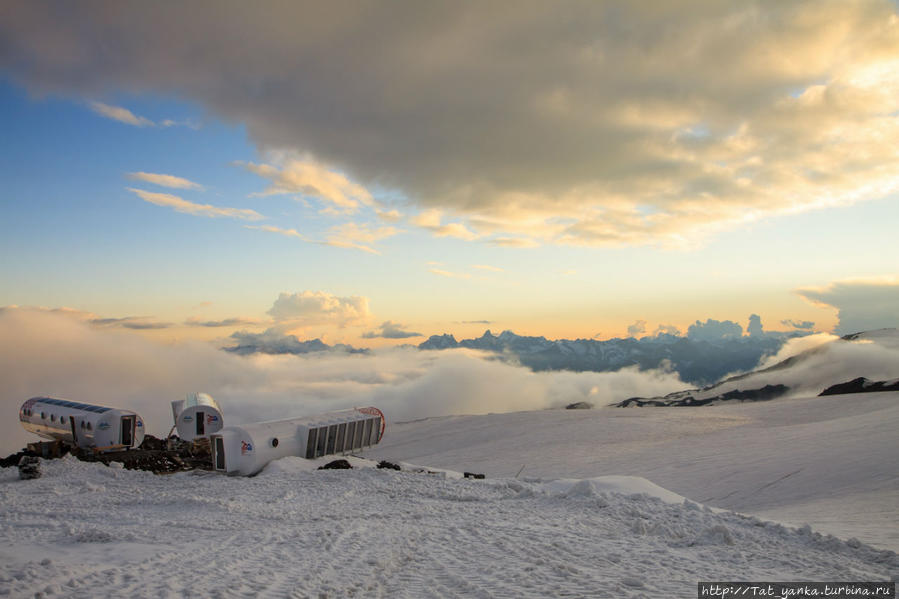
(197, 416)
(246, 449)
(81, 424)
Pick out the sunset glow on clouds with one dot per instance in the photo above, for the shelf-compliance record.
(566, 168)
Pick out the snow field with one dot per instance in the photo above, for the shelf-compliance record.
(826, 461)
(86, 530)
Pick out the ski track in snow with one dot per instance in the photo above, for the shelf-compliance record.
(87, 530)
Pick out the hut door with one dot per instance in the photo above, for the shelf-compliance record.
(127, 430)
(201, 423)
(219, 451)
(74, 430)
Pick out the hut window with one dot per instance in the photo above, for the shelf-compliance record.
(43, 415)
(367, 433)
(341, 431)
(52, 417)
(332, 437)
(310, 444)
(375, 431)
(275, 442)
(357, 440)
(320, 443)
(89, 426)
(350, 431)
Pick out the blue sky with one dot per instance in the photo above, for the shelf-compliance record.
(403, 198)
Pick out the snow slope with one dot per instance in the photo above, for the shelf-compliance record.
(828, 461)
(85, 530)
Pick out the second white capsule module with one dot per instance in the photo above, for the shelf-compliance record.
(246, 449)
(197, 416)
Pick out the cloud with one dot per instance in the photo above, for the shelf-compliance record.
(796, 346)
(638, 328)
(639, 123)
(754, 328)
(47, 353)
(803, 325)
(714, 330)
(226, 322)
(513, 242)
(130, 322)
(122, 115)
(208, 210)
(487, 267)
(430, 220)
(862, 305)
(449, 274)
(278, 231)
(477, 322)
(390, 216)
(666, 329)
(310, 178)
(390, 330)
(348, 235)
(165, 180)
(359, 236)
(318, 307)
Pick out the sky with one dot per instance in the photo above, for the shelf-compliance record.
(373, 174)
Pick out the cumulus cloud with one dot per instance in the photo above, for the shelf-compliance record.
(593, 124)
(47, 353)
(390, 330)
(318, 308)
(754, 328)
(666, 329)
(165, 180)
(638, 328)
(122, 115)
(208, 210)
(714, 330)
(862, 305)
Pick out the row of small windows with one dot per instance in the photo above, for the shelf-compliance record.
(339, 438)
(29, 412)
(73, 404)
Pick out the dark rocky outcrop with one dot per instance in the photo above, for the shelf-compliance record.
(687, 398)
(337, 465)
(861, 385)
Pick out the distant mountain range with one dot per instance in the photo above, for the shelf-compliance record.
(821, 370)
(696, 361)
(272, 342)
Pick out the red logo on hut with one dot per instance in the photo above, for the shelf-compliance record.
(245, 447)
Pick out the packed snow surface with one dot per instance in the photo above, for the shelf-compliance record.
(609, 504)
(93, 531)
